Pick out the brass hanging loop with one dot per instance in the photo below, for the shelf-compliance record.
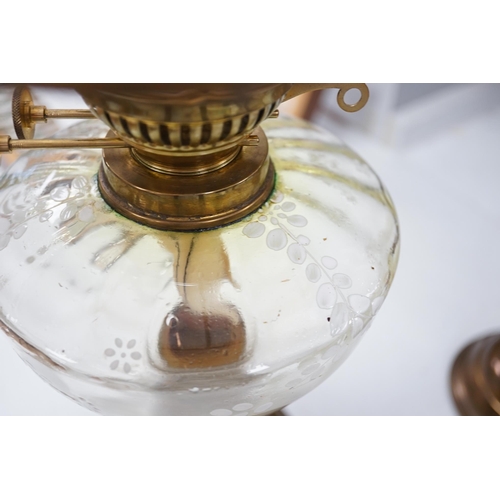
(302, 88)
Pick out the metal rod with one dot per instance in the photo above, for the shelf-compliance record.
(68, 113)
(66, 143)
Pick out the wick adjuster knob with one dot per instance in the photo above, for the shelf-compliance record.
(26, 115)
(7, 144)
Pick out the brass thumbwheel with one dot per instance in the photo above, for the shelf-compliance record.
(22, 102)
(25, 114)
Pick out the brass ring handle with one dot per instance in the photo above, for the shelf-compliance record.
(302, 88)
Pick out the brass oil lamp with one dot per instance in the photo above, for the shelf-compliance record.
(190, 252)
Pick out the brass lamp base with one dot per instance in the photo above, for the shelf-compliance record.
(475, 378)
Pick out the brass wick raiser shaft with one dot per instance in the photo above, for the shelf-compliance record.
(7, 144)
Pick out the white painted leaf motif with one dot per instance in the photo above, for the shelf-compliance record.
(297, 253)
(254, 229)
(297, 220)
(356, 327)
(29, 196)
(79, 182)
(376, 303)
(339, 318)
(359, 303)
(60, 193)
(19, 231)
(329, 262)
(294, 383)
(264, 407)
(221, 412)
(6, 208)
(276, 239)
(86, 214)
(45, 216)
(288, 206)
(303, 240)
(332, 352)
(326, 296)
(4, 225)
(242, 407)
(68, 212)
(305, 363)
(342, 280)
(4, 241)
(277, 197)
(313, 273)
(18, 216)
(310, 369)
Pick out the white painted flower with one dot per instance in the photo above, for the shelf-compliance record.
(122, 353)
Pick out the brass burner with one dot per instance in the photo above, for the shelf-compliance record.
(179, 156)
(184, 197)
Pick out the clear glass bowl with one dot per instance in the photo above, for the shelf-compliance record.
(238, 320)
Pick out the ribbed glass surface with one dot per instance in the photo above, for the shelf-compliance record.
(239, 320)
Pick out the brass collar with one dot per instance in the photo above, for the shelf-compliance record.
(173, 200)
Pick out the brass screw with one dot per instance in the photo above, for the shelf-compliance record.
(249, 140)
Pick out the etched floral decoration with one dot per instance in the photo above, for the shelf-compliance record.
(122, 353)
(41, 202)
(305, 273)
(241, 410)
(348, 313)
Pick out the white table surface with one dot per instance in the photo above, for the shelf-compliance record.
(445, 294)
